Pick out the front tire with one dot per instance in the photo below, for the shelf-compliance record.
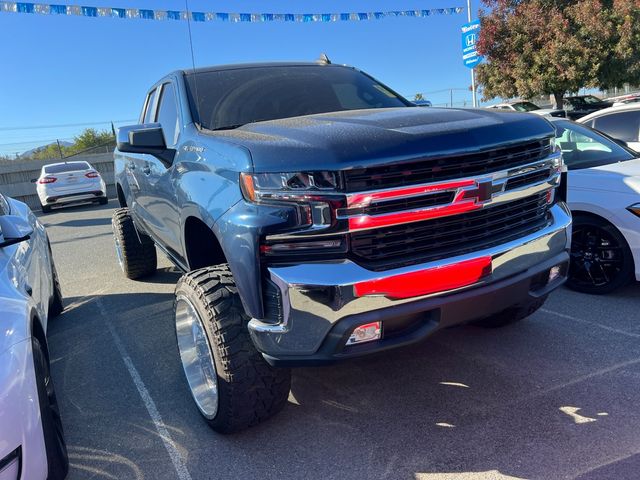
(55, 445)
(512, 315)
(135, 251)
(601, 260)
(231, 383)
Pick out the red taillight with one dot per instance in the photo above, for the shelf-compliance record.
(92, 175)
(47, 180)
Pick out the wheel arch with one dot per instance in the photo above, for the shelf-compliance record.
(122, 199)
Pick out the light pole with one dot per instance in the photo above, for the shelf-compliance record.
(473, 70)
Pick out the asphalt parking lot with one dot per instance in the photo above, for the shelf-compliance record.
(553, 397)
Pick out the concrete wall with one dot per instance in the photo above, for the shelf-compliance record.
(15, 178)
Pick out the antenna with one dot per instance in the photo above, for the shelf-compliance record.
(324, 59)
(193, 61)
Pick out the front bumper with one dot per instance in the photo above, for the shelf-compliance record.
(321, 305)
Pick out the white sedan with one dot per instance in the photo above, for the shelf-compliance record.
(619, 122)
(69, 182)
(32, 444)
(604, 197)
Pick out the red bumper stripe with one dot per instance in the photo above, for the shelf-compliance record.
(363, 221)
(424, 282)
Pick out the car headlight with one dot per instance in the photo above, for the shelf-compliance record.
(635, 209)
(295, 187)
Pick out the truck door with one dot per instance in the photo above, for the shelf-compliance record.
(157, 199)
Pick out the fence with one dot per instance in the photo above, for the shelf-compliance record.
(15, 177)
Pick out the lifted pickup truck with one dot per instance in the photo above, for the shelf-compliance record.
(320, 216)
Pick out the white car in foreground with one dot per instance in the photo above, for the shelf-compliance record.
(69, 182)
(32, 445)
(604, 197)
(621, 122)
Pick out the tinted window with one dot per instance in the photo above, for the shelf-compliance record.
(230, 98)
(525, 107)
(66, 167)
(151, 100)
(168, 114)
(591, 99)
(583, 147)
(623, 126)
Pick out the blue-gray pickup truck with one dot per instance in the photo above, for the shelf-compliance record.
(320, 216)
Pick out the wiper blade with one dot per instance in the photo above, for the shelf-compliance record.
(229, 127)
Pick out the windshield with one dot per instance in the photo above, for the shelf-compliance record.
(525, 107)
(234, 97)
(66, 167)
(583, 147)
(591, 99)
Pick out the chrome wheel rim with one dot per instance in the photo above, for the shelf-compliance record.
(118, 250)
(196, 357)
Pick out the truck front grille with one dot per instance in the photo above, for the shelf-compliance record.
(427, 170)
(406, 244)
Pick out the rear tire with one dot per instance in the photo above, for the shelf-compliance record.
(245, 389)
(512, 315)
(55, 445)
(56, 305)
(136, 251)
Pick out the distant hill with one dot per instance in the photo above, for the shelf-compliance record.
(29, 153)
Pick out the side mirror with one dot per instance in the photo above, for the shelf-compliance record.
(146, 138)
(13, 229)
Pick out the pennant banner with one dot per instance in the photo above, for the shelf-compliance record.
(146, 14)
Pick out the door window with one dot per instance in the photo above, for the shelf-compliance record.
(151, 100)
(623, 125)
(168, 114)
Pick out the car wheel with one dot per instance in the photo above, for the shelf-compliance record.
(56, 305)
(231, 383)
(45, 208)
(601, 260)
(135, 251)
(55, 445)
(512, 315)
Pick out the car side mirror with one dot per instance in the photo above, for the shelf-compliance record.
(14, 229)
(146, 138)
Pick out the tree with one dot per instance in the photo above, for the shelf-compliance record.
(418, 96)
(542, 47)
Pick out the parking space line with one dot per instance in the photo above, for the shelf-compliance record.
(595, 324)
(169, 444)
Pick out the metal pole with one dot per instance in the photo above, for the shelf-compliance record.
(59, 148)
(473, 70)
(451, 98)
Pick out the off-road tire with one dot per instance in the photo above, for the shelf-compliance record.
(55, 445)
(249, 389)
(512, 315)
(139, 256)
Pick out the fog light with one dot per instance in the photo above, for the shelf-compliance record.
(366, 333)
(554, 273)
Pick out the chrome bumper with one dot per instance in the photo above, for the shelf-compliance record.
(316, 296)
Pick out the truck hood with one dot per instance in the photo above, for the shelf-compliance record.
(360, 138)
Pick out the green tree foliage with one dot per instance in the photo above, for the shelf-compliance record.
(418, 96)
(89, 138)
(542, 47)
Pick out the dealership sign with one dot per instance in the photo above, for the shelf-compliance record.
(470, 32)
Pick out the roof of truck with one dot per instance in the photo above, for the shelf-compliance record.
(237, 66)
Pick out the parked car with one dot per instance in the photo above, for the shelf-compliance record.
(624, 99)
(621, 123)
(581, 105)
(66, 183)
(604, 197)
(32, 443)
(423, 103)
(321, 217)
(529, 107)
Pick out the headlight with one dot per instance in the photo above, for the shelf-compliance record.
(635, 209)
(299, 186)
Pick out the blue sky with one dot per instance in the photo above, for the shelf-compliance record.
(80, 72)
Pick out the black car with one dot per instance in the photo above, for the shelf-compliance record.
(581, 105)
